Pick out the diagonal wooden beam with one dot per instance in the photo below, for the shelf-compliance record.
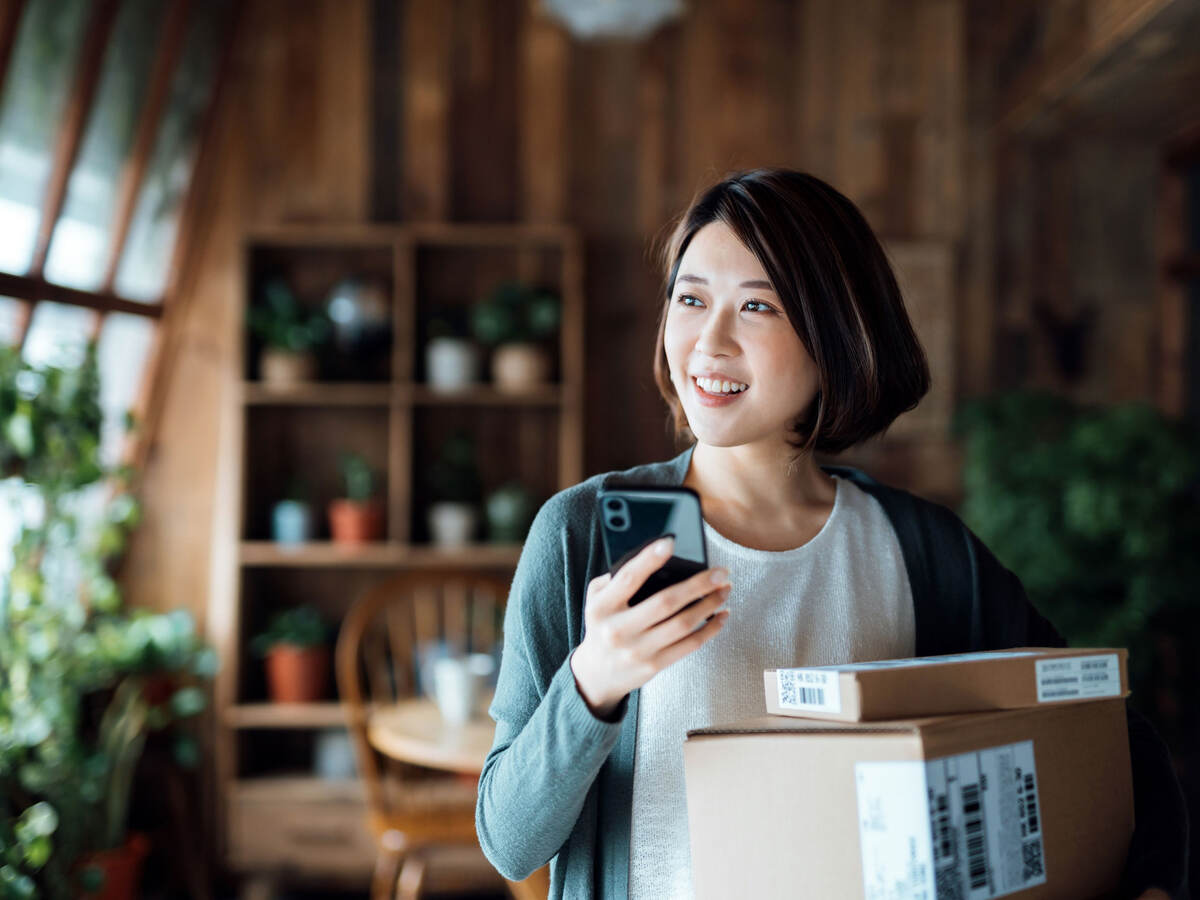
(10, 18)
(70, 133)
(170, 48)
(180, 275)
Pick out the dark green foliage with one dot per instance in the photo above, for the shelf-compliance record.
(1097, 510)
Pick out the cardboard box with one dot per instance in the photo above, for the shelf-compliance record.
(1035, 802)
(925, 686)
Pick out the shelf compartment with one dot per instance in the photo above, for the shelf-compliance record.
(286, 442)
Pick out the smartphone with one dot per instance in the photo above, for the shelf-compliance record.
(633, 517)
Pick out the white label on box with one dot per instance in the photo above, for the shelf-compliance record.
(893, 829)
(812, 689)
(980, 826)
(1076, 677)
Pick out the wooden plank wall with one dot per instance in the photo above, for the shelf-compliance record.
(504, 117)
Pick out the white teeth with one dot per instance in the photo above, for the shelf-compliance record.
(712, 386)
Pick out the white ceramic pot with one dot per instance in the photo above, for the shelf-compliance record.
(451, 364)
(452, 524)
(282, 367)
(519, 367)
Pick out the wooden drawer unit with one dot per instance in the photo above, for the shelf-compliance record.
(301, 825)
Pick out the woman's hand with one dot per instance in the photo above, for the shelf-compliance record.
(623, 646)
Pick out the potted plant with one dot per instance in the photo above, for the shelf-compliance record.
(357, 517)
(516, 319)
(289, 334)
(451, 358)
(510, 510)
(455, 486)
(1097, 511)
(291, 517)
(296, 654)
(84, 684)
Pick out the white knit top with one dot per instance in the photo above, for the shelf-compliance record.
(842, 597)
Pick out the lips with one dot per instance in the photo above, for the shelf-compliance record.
(707, 399)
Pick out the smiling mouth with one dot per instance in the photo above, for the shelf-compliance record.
(707, 393)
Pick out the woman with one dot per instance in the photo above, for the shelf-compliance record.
(783, 333)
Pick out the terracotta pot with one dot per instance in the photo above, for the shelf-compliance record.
(281, 367)
(297, 674)
(121, 868)
(519, 367)
(355, 522)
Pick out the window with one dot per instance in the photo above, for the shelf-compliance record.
(103, 108)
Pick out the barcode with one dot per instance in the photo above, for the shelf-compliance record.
(795, 695)
(1031, 853)
(943, 844)
(973, 829)
(1031, 810)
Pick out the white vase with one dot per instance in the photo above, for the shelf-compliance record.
(451, 364)
(519, 367)
(452, 524)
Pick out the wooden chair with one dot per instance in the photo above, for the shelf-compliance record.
(412, 809)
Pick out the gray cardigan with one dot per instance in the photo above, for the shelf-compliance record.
(558, 783)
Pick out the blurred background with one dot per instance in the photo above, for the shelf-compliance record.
(307, 306)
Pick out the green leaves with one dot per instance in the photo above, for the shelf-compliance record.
(300, 626)
(1097, 510)
(67, 646)
(515, 312)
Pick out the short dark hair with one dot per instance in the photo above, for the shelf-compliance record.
(838, 290)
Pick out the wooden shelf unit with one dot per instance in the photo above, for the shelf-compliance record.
(269, 435)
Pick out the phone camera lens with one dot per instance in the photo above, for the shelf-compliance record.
(618, 521)
(614, 505)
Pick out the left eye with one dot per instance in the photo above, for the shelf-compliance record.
(762, 307)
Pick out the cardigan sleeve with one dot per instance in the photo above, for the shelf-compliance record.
(549, 747)
(1158, 852)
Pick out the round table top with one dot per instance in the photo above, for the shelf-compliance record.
(414, 731)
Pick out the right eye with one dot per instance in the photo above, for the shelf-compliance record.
(684, 298)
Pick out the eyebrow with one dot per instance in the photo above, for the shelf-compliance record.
(696, 279)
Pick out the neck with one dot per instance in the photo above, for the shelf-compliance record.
(769, 480)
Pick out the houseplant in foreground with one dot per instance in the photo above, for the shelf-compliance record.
(84, 682)
(1097, 510)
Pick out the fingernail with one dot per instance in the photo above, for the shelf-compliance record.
(663, 547)
(719, 576)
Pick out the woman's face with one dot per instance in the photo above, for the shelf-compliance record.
(726, 323)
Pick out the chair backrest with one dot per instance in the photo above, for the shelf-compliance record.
(379, 644)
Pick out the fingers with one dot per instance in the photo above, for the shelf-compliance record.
(669, 601)
(682, 624)
(615, 594)
(694, 641)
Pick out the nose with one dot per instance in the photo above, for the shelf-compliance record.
(716, 338)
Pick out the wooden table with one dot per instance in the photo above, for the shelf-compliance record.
(414, 731)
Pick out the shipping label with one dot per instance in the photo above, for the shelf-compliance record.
(1077, 677)
(977, 832)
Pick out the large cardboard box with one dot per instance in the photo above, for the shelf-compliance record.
(1035, 802)
(939, 685)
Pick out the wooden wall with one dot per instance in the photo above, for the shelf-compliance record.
(348, 110)
(1081, 97)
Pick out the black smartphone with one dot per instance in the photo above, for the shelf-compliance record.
(632, 517)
